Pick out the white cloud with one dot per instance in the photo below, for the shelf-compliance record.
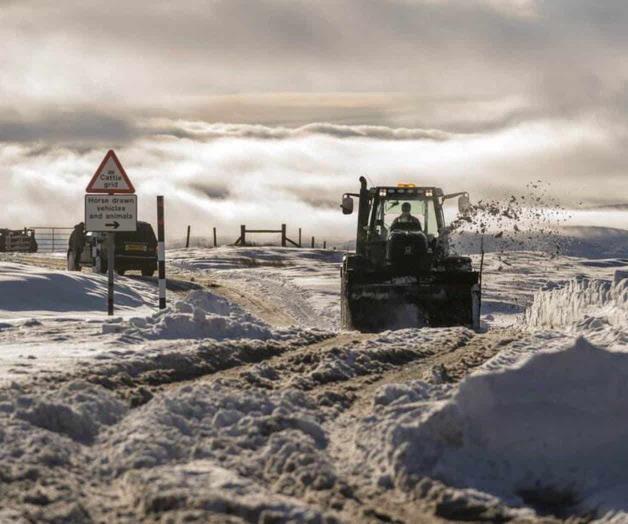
(298, 180)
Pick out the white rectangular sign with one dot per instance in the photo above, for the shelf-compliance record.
(110, 213)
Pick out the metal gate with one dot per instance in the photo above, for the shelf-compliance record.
(52, 239)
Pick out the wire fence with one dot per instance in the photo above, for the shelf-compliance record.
(52, 239)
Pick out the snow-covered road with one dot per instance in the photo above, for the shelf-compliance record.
(243, 402)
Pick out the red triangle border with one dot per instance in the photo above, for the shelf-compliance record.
(110, 154)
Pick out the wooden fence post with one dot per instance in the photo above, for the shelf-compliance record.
(312, 242)
(300, 245)
(187, 239)
(215, 239)
(283, 235)
(243, 235)
(324, 244)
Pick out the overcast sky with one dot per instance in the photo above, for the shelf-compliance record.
(209, 100)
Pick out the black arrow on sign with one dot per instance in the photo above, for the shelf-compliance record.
(115, 224)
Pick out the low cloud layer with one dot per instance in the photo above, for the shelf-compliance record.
(240, 178)
(205, 131)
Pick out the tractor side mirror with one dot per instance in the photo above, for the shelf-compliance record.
(464, 204)
(347, 205)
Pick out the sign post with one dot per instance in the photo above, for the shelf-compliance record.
(111, 246)
(113, 208)
(161, 252)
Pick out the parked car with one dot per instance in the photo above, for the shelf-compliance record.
(134, 250)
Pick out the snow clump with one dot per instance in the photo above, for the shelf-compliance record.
(214, 448)
(200, 315)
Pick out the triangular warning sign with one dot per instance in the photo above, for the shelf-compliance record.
(110, 177)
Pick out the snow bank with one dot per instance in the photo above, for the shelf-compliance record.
(551, 434)
(199, 315)
(597, 308)
(31, 291)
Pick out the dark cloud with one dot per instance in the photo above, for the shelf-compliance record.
(560, 55)
(210, 189)
(74, 127)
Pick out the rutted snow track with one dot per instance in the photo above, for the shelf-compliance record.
(175, 439)
(276, 418)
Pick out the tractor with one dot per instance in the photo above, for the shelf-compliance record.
(402, 273)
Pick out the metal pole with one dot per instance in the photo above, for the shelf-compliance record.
(96, 255)
(215, 239)
(283, 235)
(161, 252)
(481, 268)
(187, 240)
(111, 246)
(53, 239)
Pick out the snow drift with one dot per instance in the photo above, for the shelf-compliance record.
(551, 434)
(199, 315)
(597, 308)
(29, 291)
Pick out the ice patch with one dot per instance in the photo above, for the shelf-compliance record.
(551, 434)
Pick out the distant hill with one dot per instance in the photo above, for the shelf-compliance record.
(575, 241)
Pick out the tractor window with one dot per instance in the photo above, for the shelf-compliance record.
(421, 209)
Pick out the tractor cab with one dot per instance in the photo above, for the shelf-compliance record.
(388, 235)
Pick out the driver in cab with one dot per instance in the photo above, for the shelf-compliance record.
(405, 220)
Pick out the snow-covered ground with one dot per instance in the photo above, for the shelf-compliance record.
(305, 283)
(243, 402)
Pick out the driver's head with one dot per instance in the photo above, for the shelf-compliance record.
(406, 207)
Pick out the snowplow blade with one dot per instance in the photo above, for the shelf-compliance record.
(436, 300)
